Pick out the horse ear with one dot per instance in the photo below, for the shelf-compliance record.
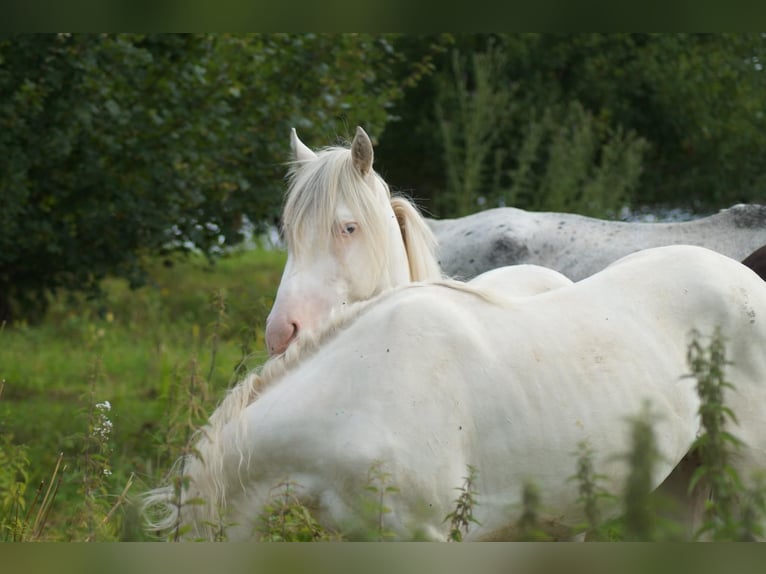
(301, 151)
(361, 151)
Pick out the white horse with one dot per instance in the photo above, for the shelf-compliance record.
(349, 240)
(429, 378)
(579, 246)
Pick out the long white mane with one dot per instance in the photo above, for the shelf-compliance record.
(317, 187)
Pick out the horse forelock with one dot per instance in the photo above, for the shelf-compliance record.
(317, 188)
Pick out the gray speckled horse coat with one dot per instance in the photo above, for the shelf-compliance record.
(579, 246)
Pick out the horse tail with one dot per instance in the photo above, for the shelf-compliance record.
(419, 241)
(194, 491)
(161, 508)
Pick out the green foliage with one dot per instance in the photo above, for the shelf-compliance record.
(567, 159)
(753, 504)
(379, 484)
(640, 516)
(591, 492)
(32, 524)
(683, 109)
(93, 468)
(715, 445)
(461, 518)
(91, 519)
(471, 113)
(147, 352)
(14, 479)
(285, 519)
(528, 526)
(114, 146)
(707, 122)
(570, 161)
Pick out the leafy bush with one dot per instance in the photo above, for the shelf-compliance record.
(567, 159)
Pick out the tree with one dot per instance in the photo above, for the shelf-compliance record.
(696, 98)
(688, 107)
(115, 146)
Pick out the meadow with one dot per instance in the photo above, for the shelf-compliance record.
(99, 398)
(102, 394)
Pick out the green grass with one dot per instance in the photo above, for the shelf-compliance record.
(134, 349)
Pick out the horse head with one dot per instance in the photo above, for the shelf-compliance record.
(347, 239)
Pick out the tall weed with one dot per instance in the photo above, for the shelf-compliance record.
(379, 484)
(14, 480)
(591, 493)
(569, 159)
(640, 512)
(716, 446)
(461, 517)
(528, 526)
(471, 107)
(286, 519)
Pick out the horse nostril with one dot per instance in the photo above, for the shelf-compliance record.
(279, 338)
(296, 327)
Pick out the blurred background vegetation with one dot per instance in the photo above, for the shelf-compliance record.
(113, 147)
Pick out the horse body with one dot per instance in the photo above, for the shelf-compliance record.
(376, 360)
(519, 280)
(579, 246)
(429, 378)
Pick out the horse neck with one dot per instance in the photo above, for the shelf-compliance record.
(419, 241)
